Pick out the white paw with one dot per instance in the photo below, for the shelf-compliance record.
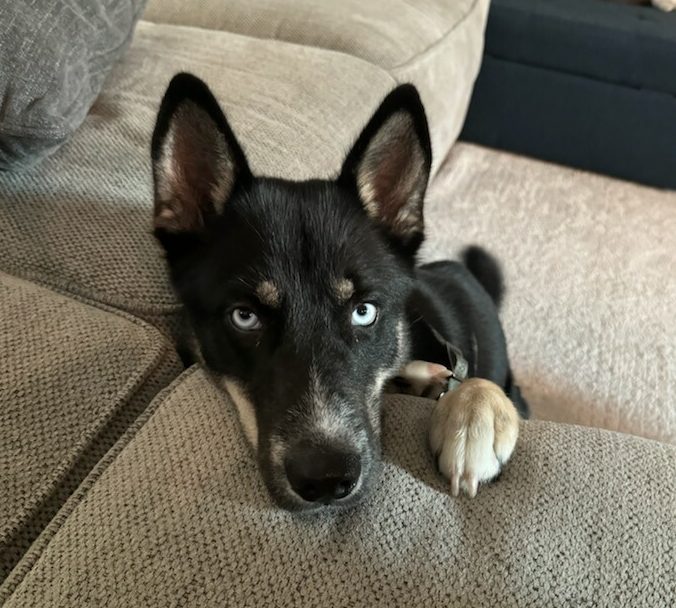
(473, 433)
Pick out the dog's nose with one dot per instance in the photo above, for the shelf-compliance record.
(322, 473)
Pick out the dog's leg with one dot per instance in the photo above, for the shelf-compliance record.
(420, 378)
(473, 432)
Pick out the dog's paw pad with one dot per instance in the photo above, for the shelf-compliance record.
(473, 433)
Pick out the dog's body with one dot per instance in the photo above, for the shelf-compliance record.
(305, 299)
(456, 303)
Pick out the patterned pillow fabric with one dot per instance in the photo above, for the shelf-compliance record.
(54, 57)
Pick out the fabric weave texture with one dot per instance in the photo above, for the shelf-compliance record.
(72, 379)
(180, 517)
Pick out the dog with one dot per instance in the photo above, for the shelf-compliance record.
(304, 298)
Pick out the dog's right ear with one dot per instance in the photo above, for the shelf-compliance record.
(389, 166)
(197, 162)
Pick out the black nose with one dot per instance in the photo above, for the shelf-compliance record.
(322, 473)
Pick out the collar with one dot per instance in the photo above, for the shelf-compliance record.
(458, 366)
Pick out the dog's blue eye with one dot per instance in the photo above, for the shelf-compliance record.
(245, 319)
(364, 314)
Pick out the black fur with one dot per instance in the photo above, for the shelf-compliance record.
(451, 301)
(487, 271)
(312, 376)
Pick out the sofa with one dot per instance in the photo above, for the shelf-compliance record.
(127, 479)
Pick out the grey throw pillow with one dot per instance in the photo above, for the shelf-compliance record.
(54, 56)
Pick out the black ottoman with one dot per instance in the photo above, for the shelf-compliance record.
(587, 83)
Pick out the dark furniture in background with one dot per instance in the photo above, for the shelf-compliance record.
(586, 83)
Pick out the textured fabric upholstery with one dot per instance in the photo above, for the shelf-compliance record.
(180, 517)
(386, 33)
(435, 44)
(589, 263)
(175, 513)
(54, 56)
(72, 378)
(82, 220)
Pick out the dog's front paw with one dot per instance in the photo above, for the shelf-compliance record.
(473, 433)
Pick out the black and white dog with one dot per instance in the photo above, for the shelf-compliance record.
(305, 299)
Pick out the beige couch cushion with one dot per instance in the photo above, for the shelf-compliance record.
(591, 294)
(435, 44)
(82, 220)
(387, 33)
(180, 517)
(72, 378)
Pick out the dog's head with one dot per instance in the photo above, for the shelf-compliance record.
(296, 291)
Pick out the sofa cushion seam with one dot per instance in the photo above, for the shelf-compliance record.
(117, 307)
(439, 41)
(41, 543)
(575, 74)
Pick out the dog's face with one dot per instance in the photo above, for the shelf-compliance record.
(296, 291)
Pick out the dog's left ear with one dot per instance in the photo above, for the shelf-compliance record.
(197, 161)
(389, 167)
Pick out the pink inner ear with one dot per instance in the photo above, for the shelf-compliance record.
(387, 180)
(195, 160)
(392, 176)
(183, 211)
(195, 175)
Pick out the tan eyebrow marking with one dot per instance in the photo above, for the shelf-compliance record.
(268, 294)
(344, 289)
